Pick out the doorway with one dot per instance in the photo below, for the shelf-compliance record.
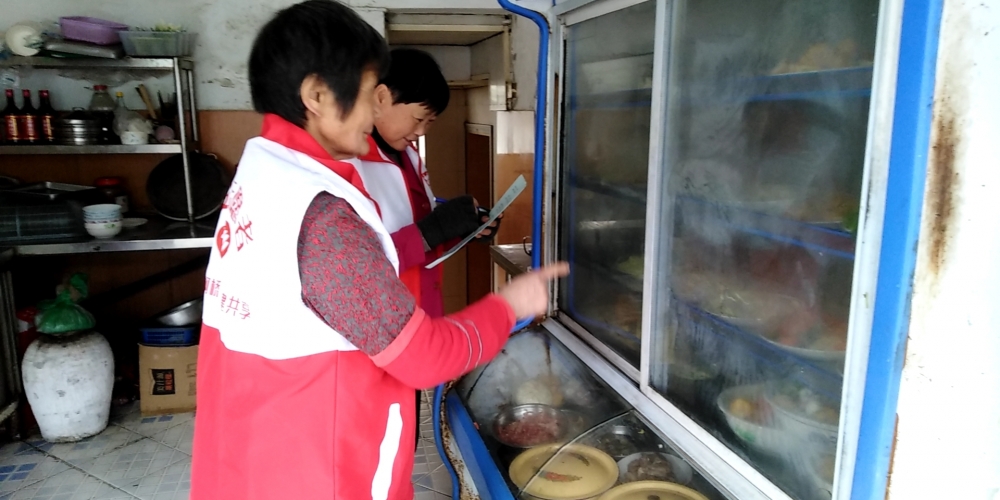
(479, 184)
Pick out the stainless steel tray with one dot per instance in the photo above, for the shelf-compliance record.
(51, 191)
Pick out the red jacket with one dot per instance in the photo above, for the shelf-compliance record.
(311, 346)
(386, 182)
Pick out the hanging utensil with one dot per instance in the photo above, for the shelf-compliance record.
(141, 89)
(209, 184)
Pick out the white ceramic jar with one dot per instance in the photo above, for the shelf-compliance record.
(68, 382)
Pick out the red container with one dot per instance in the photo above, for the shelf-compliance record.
(91, 29)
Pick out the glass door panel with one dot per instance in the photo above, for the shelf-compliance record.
(605, 160)
(765, 146)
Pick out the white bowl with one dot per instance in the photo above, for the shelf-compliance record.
(819, 437)
(767, 439)
(101, 212)
(134, 138)
(102, 230)
(102, 207)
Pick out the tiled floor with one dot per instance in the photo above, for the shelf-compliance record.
(149, 458)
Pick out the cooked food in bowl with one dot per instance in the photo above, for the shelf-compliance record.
(650, 467)
(807, 329)
(653, 466)
(754, 309)
(735, 301)
(805, 403)
(619, 441)
(752, 409)
(529, 425)
(751, 418)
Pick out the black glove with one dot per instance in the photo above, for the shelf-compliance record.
(454, 219)
(484, 215)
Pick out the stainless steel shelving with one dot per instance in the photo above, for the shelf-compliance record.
(113, 149)
(512, 258)
(157, 234)
(182, 70)
(151, 63)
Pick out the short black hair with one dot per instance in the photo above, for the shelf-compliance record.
(415, 78)
(317, 37)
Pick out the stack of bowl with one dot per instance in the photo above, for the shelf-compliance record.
(102, 221)
(77, 129)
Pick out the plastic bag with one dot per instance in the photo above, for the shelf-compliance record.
(63, 316)
(127, 120)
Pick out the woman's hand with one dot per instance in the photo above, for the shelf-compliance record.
(528, 294)
(491, 231)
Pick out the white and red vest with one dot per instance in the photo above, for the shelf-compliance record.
(288, 407)
(402, 203)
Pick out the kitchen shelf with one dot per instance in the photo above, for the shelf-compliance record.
(115, 149)
(145, 63)
(156, 234)
(182, 69)
(512, 258)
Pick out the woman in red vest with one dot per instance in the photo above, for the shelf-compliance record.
(312, 346)
(410, 96)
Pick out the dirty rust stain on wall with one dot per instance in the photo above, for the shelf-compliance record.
(943, 179)
(941, 183)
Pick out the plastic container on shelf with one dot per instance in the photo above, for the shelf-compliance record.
(91, 30)
(157, 43)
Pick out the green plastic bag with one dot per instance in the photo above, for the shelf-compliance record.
(63, 316)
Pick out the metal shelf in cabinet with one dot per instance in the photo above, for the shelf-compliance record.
(156, 234)
(629, 192)
(182, 69)
(814, 85)
(612, 100)
(144, 63)
(115, 149)
(816, 237)
(822, 377)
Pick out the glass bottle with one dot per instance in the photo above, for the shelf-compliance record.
(46, 117)
(28, 120)
(103, 108)
(11, 127)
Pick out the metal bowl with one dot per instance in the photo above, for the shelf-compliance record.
(188, 313)
(513, 414)
(619, 441)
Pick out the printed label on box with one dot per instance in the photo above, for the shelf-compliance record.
(164, 383)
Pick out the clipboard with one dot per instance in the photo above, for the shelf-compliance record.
(508, 197)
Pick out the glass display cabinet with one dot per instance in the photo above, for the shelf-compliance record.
(718, 176)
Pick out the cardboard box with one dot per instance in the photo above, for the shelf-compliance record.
(167, 379)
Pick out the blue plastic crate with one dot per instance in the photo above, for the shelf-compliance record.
(175, 336)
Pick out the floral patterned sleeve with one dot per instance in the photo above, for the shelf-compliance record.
(347, 279)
